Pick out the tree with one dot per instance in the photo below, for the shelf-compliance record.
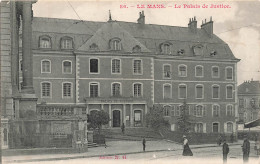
(97, 119)
(184, 121)
(155, 118)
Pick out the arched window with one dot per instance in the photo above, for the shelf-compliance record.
(45, 89)
(116, 65)
(182, 91)
(215, 128)
(199, 71)
(137, 66)
(229, 73)
(67, 66)
(215, 72)
(199, 111)
(230, 127)
(199, 91)
(45, 42)
(66, 43)
(45, 66)
(136, 48)
(165, 48)
(115, 44)
(216, 111)
(230, 110)
(67, 90)
(93, 47)
(167, 91)
(215, 92)
(167, 71)
(182, 70)
(229, 92)
(116, 89)
(137, 89)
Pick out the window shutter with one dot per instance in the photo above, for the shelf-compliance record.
(204, 127)
(195, 128)
(204, 110)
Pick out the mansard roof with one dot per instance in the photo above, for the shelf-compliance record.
(147, 36)
(108, 31)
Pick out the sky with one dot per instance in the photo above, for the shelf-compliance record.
(238, 25)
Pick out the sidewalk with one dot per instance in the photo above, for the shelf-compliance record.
(113, 148)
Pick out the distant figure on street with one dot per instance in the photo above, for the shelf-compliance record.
(144, 142)
(123, 128)
(219, 140)
(246, 150)
(232, 138)
(225, 150)
(186, 149)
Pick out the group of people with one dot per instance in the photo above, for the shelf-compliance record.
(225, 149)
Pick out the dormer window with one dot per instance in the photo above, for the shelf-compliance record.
(93, 47)
(115, 44)
(136, 48)
(166, 48)
(198, 50)
(66, 43)
(45, 42)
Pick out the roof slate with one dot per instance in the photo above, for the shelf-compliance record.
(148, 36)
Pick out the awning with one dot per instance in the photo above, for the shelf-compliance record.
(252, 123)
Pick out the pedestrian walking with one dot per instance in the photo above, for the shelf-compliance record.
(144, 142)
(186, 149)
(219, 140)
(123, 128)
(225, 150)
(246, 149)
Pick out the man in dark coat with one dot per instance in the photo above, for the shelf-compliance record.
(144, 142)
(246, 150)
(225, 150)
(123, 128)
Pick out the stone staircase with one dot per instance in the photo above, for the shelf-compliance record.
(91, 145)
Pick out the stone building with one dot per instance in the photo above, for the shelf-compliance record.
(249, 101)
(125, 68)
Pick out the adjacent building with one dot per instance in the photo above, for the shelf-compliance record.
(249, 101)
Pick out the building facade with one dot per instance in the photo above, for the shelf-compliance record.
(125, 68)
(249, 101)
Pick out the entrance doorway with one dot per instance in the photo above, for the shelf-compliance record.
(116, 118)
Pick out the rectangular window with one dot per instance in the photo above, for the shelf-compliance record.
(46, 66)
(93, 90)
(115, 66)
(66, 67)
(215, 111)
(182, 91)
(215, 92)
(137, 67)
(167, 91)
(66, 44)
(199, 92)
(166, 71)
(215, 72)
(229, 92)
(177, 112)
(66, 90)
(229, 127)
(137, 90)
(229, 110)
(229, 73)
(46, 89)
(93, 66)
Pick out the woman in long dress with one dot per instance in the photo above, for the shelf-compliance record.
(186, 149)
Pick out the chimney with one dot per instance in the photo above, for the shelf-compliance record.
(208, 27)
(193, 25)
(141, 19)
